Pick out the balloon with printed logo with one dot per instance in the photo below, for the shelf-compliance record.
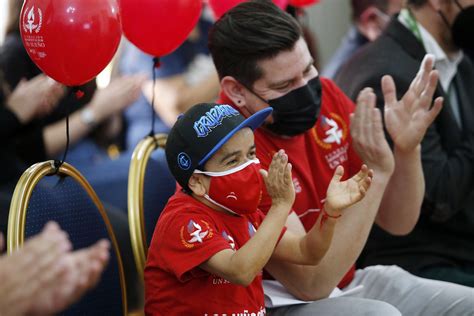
(71, 41)
(219, 7)
(302, 3)
(158, 27)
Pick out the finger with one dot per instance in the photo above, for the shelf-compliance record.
(356, 116)
(338, 173)
(365, 185)
(282, 166)
(370, 122)
(427, 95)
(273, 163)
(425, 69)
(42, 250)
(363, 129)
(363, 172)
(389, 91)
(288, 178)
(427, 63)
(419, 81)
(371, 173)
(433, 113)
(102, 249)
(264, 174)
(379, 135)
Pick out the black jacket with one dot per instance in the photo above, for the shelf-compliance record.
(444, 234)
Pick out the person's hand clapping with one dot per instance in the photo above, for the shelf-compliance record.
(34, 98)
(118, 95)
(278, 180)
(342, 194)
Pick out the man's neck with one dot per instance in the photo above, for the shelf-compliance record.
(433, 23)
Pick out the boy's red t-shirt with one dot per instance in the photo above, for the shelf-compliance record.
(314, 155)
(187, 234)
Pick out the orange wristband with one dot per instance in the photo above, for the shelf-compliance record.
(325, 217)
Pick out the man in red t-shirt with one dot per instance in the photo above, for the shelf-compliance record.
(211, 241)
(262, 60)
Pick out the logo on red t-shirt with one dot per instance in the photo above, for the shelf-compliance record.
(195, 232)
(331, 131)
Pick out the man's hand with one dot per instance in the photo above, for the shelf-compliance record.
(368, 136)
(44, 276)
(278, 180)
(25, 272)
(35, 97)
(81, 271)
(408, 119)
(118, 95)
(342, 194)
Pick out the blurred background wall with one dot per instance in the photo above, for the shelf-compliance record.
(329, 21)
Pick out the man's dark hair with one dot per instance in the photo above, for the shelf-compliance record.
(248, 33)
(359, 6)
(416, 3)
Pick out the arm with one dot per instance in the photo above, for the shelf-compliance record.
(242, 266)
(44, 276)
(28, 100)
(350, 236)
(173, 95)
(407, 121)
(311, 248)
(105, 103)
(205, 90)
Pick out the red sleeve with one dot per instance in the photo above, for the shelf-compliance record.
(188, 241)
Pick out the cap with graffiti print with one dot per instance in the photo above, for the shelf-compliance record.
(200, 132)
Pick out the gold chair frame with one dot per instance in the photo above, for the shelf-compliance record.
(136, 180)
(21, 198)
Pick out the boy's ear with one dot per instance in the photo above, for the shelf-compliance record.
(197, 184)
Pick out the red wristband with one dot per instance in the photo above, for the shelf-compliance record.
(325, 216)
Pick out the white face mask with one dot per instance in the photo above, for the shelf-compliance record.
(237, 190)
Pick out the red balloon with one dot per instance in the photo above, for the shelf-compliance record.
(302, 3)
(71, 41)
(219, 7)
(158, 27)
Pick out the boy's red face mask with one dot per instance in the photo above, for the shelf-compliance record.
(238, 190)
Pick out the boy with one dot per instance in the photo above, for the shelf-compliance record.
(211, 242)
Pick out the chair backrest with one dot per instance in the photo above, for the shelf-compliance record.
(41, 195)
(150, 184)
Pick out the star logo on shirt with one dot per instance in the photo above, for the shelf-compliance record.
(331, 130)
(195, 233)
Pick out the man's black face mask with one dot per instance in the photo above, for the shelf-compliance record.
(297, 111)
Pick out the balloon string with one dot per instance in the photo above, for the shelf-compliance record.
(156, 64)
(59, 163)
